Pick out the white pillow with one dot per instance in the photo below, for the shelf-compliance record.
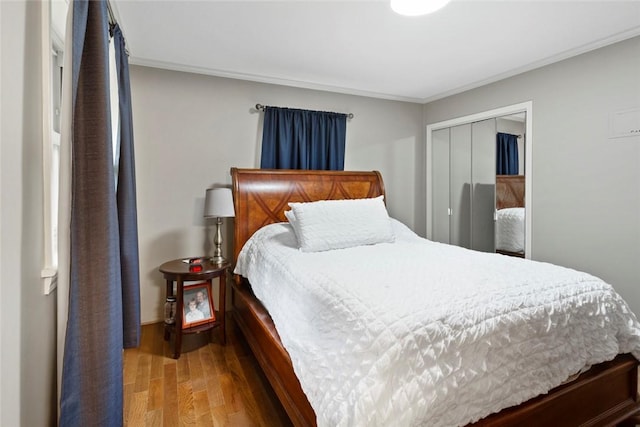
(339, 224)
(292, 221)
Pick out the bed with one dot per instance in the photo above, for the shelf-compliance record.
(606, 394)
(510, 218)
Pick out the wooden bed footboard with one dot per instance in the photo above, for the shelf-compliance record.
(605, 395)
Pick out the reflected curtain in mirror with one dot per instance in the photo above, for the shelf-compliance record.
(506, 154)
(303, 139)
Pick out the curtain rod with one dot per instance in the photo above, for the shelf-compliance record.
(112, 18)
(112, 24)
(261, 107)
(512, 134)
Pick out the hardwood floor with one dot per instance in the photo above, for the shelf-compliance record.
(209, 385)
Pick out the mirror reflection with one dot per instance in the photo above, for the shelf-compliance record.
(510, 211)
(478, 185)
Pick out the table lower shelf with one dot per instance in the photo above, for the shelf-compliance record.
(204, 327)
(193, 329)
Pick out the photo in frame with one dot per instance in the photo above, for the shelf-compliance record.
(197, 304)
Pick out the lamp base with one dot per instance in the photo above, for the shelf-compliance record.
(218, 259)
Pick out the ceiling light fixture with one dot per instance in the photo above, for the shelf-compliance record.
(417, 7)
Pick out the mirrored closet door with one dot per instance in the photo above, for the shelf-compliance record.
(467, 187)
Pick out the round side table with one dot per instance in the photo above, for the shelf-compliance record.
(177, 271)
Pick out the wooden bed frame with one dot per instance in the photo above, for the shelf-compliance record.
(509, 191)
(606, 395)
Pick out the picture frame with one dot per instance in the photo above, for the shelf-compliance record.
(197, 305)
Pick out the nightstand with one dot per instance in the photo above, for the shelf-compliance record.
(177, 271)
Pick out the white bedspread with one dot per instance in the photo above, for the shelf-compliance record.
(421, 333)
(510, 230)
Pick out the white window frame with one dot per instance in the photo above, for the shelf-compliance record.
(51, 60)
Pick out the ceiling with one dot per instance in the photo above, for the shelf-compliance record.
(362, 47)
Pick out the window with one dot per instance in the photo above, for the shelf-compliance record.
(54, 16)
(53, 20)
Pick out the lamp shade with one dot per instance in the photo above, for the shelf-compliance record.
(417, 7)
(218, 203)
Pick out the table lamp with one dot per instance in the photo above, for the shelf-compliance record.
(218, 204)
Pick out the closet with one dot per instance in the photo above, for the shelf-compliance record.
(468, 204)
(464, 177)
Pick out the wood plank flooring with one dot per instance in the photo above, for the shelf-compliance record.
(209, 385)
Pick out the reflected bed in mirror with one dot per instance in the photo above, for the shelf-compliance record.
(510, 217)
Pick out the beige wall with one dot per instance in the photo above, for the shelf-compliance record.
(586, 186)
(191, 129)
(27, 316)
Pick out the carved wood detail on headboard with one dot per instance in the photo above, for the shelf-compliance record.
(509, 191)
(260, 196)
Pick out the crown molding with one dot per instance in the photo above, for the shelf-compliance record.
(145, 62)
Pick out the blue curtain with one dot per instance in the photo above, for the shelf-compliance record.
(302, 139)
(126, 202)
(102, 265)
(506, 154)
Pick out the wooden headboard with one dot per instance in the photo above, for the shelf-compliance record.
(509, 191)
(260, 196)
